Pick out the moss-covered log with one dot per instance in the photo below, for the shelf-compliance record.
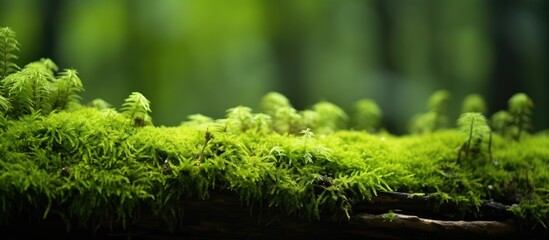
(91, 169)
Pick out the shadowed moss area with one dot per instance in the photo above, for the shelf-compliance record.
(95, 166)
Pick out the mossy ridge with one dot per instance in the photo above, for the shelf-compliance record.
(70, 164)
(99, 166)
(95, 166)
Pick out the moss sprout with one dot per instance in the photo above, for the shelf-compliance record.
(501, 120)
(99, 104)
(366, 115)
(520, 108)
(438, 101)
(435, 118)
(474, 127)
(8, 48)
(65, 89)
(474, 103)
(28, 89)
(4, 105)
(389, 216)
(137, 108)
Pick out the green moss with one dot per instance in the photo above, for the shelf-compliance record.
(389, 216)
(96, 166)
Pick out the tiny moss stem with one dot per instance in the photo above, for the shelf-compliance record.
(490, 146)
(469, 141)
(208, 137)
(520, 127)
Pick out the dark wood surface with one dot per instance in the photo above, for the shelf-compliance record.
(224, 216)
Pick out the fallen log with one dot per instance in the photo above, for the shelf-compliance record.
(224, 216)
(429, 207)
(429, 228)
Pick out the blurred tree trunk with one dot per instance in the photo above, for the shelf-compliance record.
(504, 81)
(49, 39)
(520, 56)
(288, 37)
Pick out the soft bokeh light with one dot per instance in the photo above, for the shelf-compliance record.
(207, 56)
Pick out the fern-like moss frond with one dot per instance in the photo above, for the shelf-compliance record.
(435, 119)
(520, 108)
(520, 104)
(45, 64)
(66, 88)
(28, 90)
(8, 46)
(501, 120)
(438, 100)
(474, 127)
(197, 120)
(474, 103)
(137, 108)
(99, 104)
(4, 105)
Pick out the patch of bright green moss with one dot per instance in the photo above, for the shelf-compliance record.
(95, 165)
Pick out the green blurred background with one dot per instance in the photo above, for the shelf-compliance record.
(206, 56)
